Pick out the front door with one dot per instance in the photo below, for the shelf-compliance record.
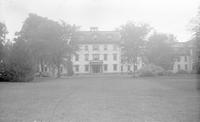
(96, 68)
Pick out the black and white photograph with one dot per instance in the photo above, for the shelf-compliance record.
(99, 60)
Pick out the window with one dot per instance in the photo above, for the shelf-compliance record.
(178, 59)
(105, 47)
(86, 57)
(115, 67)
(96, 47)
(114, 57)
(45, 68)
(61, 69)
(135, 67)
(129, 67)
(186, 67)
(122, 68)
(76, 57)
(179, 67)
(86, 47)
(114, 47)
(77, 68)
(86, 68)
(105, 67)
(185, 58)
(105, 57)
(95, 57)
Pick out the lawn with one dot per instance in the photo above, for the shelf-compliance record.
(101, 99)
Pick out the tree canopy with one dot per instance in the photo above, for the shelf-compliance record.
(133, 40)
(160, 51)
(3, 32)
(196, 40)
(50, 41)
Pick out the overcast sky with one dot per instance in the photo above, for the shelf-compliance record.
(167, 16)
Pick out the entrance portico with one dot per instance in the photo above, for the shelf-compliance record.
(96, 66)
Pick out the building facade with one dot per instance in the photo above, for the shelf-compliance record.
(97, 58)
(100, 52)
(184, 59)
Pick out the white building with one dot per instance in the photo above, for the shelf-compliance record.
(183, 63)
(100, 52)
(184, 59)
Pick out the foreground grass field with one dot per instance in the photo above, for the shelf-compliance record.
(101, 99)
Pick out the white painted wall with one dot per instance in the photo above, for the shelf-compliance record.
(110, 51)
(182, 64)
(82, 62)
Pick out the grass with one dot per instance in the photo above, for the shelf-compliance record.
(101, 99)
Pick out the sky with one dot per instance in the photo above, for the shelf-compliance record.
(166, 16)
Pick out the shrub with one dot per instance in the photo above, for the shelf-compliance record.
(19, 73)
(158, 70)
(146, 73)
(18, 66)
(193, 72)
(150, 70)
(21, 67)
(4, 74)
(169, 72)
(182, 72)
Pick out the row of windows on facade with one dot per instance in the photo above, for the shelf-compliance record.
(97, 47)
(96, 57)
(179, 58)
(105, 68)
(179, 67)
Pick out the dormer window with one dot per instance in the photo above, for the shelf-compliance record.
(95, 47)
(105, 47)
(114, 47)
(86, 47)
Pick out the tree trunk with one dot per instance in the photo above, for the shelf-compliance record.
(134, 69)
(58, 71)
(42, 65)
(69, 67)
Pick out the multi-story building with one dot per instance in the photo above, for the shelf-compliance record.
(99, 52)
(184, 57)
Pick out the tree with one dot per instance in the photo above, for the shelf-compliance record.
(50, 42)
(196, 40)
(3, 32)
(19, 63)
(159, 50)
(31, 33)
(70, 34)
(196, 27)
(133, 40)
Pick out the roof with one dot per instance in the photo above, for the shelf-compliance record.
(99, 37)
(182, 48)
